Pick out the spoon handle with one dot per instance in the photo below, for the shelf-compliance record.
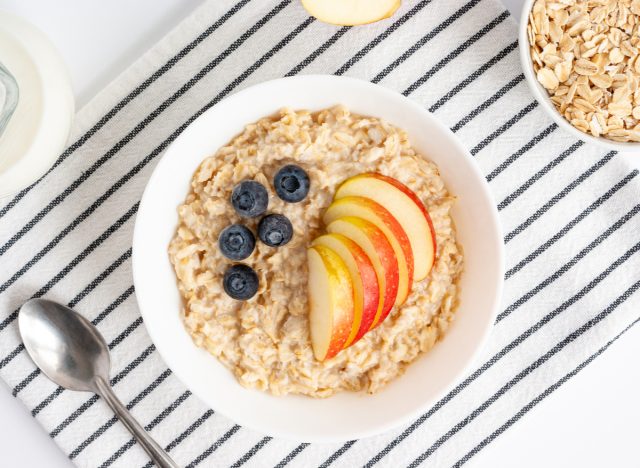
(156, 453)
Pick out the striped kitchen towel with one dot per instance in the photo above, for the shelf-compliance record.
(569, 213)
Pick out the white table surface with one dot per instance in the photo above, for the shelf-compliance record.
(591, 421)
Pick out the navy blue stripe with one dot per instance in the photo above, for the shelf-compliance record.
(381, 37)
(102, 429)
(426, 38)
(452, 55)
(213, 447)
(486, 104)
(563, 193)
(503, 128)
(548, 391)
(175, 442)
(130, 97)
(337, 454)
(43, 290)
(26, 381)
(17, 350)
(90, 287)
(525, 372)
(538, 175)
(104, 236)
(293, 454)
(571, 224)
(319, 51)
(195, 425)
(514, 157)
(126, 332)
(157, 420)
(570, 264)
(471, 78)
(247, 456)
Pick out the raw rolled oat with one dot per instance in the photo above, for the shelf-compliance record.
(585, 54)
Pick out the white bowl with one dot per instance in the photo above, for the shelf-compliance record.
(347, 415)
(542, 96)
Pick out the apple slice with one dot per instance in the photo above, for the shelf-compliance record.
(375, 244)
(351, 12)
(375, 213)
(331, 302)
(366, 293)
(406, 207)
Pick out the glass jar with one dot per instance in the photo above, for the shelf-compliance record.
(9, 93)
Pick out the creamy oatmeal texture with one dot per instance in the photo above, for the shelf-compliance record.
(265, 341)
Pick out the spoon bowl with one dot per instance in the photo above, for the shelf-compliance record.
(64, 345)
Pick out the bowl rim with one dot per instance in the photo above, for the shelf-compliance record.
(543, 97)
(497, 244)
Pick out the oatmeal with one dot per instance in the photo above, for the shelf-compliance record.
(265, 341)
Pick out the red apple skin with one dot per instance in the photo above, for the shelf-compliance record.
(340, 301)
(382, 257)
(363, 277)
(411, 194)
(421, 268)
(372, 211)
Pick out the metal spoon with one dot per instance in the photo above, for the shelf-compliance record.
(73, 353)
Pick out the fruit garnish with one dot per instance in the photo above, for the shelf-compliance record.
(291, 183)
(330, 302)
(351, 12)
(406, 207)
(383, 237)
(236, 242)
(275, 230)
(366, 293)
(240, 282)
(250, 199)
(375, 244)
(375, 213)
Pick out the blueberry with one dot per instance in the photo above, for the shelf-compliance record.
(291, 183)
(236, 242)
(275, 230)
(240, 282)
(249, 198)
